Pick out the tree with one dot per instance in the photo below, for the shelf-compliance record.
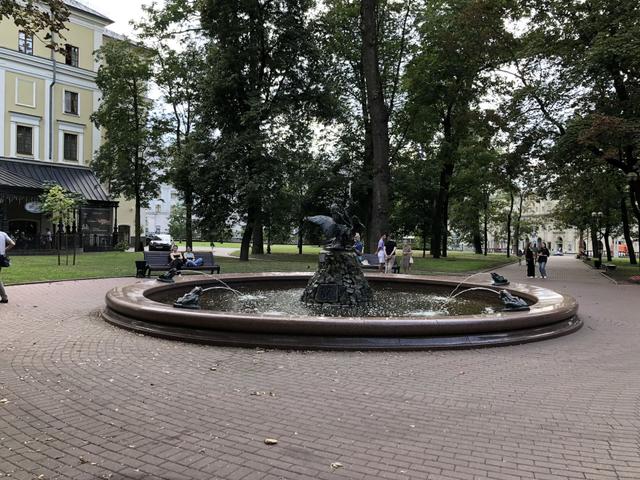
(262, 68)
(462, 43)
(378, 118)
(172, 33)
(128, 161)
(60, 205)
(36, 16)
(588, 68)
(177, 223)
(389, 46)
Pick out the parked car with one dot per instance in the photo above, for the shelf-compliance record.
(160, 242)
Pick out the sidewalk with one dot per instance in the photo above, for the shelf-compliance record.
(81, 399)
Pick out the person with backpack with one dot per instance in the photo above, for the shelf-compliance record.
(5, 244)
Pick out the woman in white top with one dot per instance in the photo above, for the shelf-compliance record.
(380, 252)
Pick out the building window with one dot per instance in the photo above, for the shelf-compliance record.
(71, 147)
(24, 140)
(25, 43)
(71, 102)
(71, 55)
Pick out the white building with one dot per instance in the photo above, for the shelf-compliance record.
(156, 217)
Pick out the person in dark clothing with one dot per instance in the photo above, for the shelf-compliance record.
(175, 258)
(531, 261)
(543, 256)
(389, 255)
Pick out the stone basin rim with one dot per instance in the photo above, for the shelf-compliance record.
(130, 306)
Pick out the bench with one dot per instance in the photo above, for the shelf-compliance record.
(159, 261)
(608, 266)
(372, 263)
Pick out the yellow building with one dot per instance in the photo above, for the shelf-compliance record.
(46, 134)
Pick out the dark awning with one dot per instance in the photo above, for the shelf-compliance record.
(28, 176)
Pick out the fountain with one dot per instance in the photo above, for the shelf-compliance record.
(339, 281)
(338, 307)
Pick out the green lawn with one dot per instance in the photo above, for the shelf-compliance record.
(623, 270)
(314, 249)
(25, 269)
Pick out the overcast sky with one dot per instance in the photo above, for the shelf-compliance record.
(120, 11)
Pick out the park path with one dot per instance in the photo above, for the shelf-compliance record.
(81, 399)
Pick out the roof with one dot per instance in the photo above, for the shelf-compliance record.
(8, 179)
(114, 35)
(26, 174)
(82, 7)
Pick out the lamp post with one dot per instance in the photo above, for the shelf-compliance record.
(597, 216)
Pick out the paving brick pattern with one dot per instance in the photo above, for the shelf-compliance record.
(81, 399)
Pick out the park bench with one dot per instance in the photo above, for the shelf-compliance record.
(159, 261)
(370, 261)
(608, 266)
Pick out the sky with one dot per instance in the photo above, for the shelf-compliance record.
(120, 11)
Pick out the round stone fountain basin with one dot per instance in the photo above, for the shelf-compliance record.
(136, 307)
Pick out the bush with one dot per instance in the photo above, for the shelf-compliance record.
(121, 246)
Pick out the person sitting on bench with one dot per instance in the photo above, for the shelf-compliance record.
(175, 258)
(190, 259)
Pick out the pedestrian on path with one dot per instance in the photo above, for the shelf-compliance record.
(531, 259)
(5, 244)
(543, 256)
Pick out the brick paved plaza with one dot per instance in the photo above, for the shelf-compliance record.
(81, 399)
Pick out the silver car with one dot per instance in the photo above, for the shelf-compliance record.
(160, 242)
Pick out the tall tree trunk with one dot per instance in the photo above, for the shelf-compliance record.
(139, 246)
(248, 233)
(371, 237)
(440, 215)
(477, 241)
(445, 226)
(511, 202)
(607, 245)
(485, 230)
(188, 221)
(257, 248)
(300, 235)
(425, 232)
(379, 118)
(627, 231)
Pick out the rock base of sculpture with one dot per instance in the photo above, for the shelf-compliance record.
(339, 282)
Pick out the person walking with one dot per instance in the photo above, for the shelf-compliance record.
(407, 258)
(531, 259)
(543, 256)
(5, 244)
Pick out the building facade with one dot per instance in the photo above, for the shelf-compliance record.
(46, 133)
(156, 217)
(538, 225)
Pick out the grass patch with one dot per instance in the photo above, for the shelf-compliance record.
(623, 270)
(27, 269)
